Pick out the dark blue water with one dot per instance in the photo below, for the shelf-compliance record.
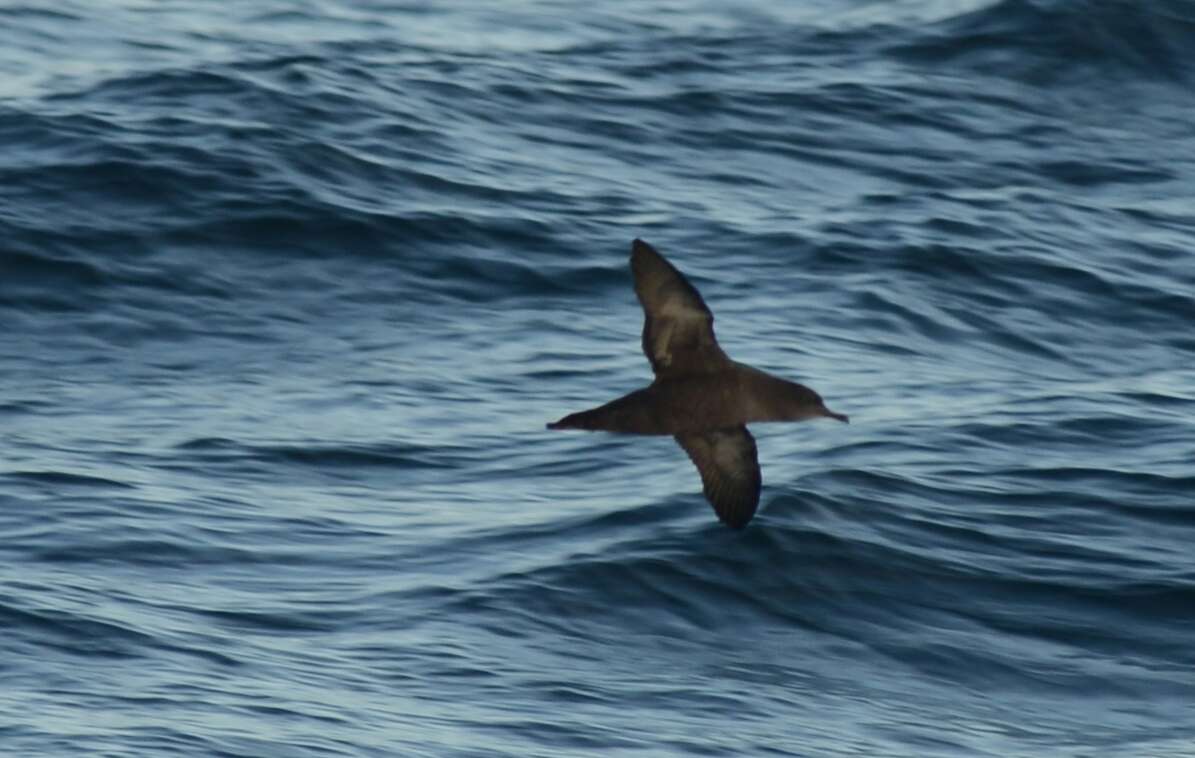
(289, 289)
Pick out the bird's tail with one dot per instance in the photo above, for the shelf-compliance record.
(630, 414)
(580, 420)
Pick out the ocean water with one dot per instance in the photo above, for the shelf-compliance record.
(289, 289)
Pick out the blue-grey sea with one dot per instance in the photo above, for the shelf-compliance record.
(289, 288)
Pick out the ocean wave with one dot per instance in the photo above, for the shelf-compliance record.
(1043, 41)
(289, 293)
(63, 478)
(830, 577)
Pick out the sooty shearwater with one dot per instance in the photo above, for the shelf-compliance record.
(700, 396)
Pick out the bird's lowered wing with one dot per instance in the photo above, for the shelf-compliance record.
(678, 328)
(729, 467)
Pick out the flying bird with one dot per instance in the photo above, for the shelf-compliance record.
(700, 396)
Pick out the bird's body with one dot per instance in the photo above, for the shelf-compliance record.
(731, 396)
(700, 396)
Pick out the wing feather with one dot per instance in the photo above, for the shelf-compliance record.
(678, 328)
(729, 468)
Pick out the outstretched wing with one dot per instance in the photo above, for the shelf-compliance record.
(678, 328)
(729, 468)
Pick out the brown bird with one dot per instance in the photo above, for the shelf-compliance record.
(700, 396)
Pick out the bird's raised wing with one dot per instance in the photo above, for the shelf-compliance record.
(678, 328)
(729, 468)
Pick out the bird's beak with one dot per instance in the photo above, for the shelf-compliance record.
(840, 416)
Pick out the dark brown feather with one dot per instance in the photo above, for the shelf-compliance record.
(729, 468)
(678, 328)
